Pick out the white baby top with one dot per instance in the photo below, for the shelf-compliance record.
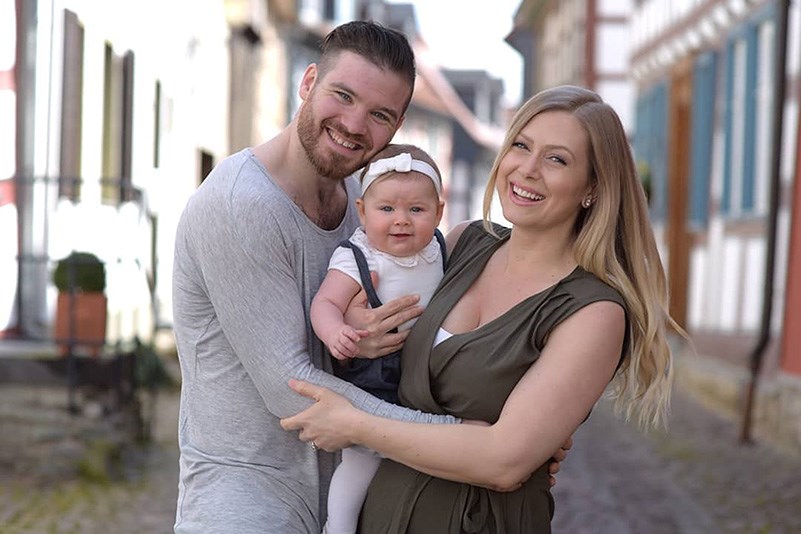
(411, 275)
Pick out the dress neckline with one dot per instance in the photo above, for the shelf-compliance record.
(474, 276)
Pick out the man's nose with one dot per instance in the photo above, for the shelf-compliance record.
(355, 121)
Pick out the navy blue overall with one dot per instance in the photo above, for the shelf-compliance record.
(381, 376)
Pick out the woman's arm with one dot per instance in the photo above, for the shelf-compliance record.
(327, 314)
(543, 410)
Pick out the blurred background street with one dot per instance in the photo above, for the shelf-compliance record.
(695, 479)
(112, 113)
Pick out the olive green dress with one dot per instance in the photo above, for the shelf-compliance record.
(470, 375)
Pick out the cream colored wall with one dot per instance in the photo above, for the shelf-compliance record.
(185, 49)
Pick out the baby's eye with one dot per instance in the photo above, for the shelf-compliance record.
(385, 208)
(416, 209)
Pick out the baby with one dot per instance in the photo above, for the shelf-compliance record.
(399, 210)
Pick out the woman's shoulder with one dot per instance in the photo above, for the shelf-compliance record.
(586, 286)
(579, 289)
(471, 232)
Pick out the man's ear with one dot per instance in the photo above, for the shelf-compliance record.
(308, 81)
(400, 122)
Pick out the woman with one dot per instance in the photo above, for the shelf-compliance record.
(528, 327)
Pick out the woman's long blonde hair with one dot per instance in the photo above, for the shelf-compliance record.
(615, 242)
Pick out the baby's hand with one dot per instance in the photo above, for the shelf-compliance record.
(344, 346)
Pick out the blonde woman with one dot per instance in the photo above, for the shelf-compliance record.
(526, 331)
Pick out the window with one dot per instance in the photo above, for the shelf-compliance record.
(117, 127)
(205, 165)
(157, 126)
(735, 129)
(764, 115)
(650, 141)
(749, 90)
(702, 131)
(69, 181)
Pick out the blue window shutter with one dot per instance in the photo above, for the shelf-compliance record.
(641, 129)
(725, 207)
(643, 140)
(650, 143)
(659, 168)
(702, 131)
(749, 144)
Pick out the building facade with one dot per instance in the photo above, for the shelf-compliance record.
(712, 90)
(114, 112)
(576, 42)
(716, 139)
(110, 129)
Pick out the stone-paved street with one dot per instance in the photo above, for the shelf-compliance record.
(143, 503)
(696, 479)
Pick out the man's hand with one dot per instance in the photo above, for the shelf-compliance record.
(556, 460)
(379, 321)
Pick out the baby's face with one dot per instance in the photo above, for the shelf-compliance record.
(400, 212)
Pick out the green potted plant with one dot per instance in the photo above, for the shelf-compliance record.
(81, 307)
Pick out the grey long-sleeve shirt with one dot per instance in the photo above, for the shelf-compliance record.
(247, 264)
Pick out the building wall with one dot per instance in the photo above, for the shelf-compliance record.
(122, 91)
(730, 50)
(8, 207)
(730, 162)
(586, 43)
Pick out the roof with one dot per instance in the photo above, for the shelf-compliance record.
(433, 91)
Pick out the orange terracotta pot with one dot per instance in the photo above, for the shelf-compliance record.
(81, 318)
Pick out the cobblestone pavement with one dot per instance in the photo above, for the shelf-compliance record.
(696, 479)
(143, 503)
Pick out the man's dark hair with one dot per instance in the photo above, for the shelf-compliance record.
(383, 46)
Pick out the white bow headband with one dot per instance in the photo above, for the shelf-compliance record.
(400, 163)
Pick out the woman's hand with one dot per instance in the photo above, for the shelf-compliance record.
(556, 460)
(326, 423)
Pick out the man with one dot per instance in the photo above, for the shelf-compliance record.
(251, 249)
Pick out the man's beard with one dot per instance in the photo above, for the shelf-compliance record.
(335, 166)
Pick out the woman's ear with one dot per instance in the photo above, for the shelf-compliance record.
(590, 196)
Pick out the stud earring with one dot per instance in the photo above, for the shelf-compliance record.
(587, 202)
